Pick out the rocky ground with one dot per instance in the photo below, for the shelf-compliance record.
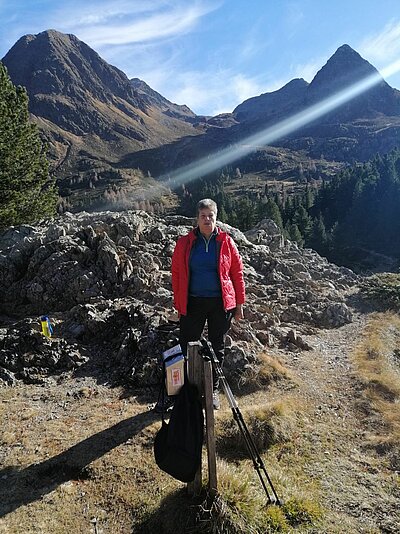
(64, 439)
(77, 424)
(104, 280)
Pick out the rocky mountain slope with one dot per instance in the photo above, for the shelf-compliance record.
(356, 130)
(88, 109)
(344, 68)
(159, 101)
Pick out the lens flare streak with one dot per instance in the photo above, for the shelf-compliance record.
(245, 146)
(287, 126)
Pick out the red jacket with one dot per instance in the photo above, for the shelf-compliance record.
(230, 269)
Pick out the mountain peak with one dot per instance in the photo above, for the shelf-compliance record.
(47, 37)
(346, 49)
(343, 68)
(266, 105)
(52, 62)
(73, 90)
(295, 83)
(347, 57)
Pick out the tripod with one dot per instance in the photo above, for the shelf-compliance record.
(258, 463)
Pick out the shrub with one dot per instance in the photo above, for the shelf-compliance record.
(383, 288)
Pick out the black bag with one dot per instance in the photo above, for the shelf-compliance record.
(178, 444)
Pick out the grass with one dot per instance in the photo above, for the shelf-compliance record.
(238, 491)
(85, 464)
(72, 462)
(267, 370)
(268, 423)
(240, 508)
(377, 364)
(82, 462)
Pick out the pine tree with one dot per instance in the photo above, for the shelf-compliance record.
(222, 215)
(289, 210)
(302, 220)
(308, 199)
(270, 210)
(295, 234)
(27, 192)
(245, 214)
(318, 239)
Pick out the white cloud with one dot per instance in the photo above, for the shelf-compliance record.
(92, 14)
(147, 62)
(383, 46)
(244, 87)
(253, 42)
(249, 49)
(294, 19)
(73, 14)
(308, 70)
(210, 92)
(124, 23)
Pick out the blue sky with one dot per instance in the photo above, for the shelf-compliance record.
(213, 54)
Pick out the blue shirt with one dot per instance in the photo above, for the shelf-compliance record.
(204, 278)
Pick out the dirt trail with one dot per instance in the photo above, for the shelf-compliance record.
(113, 432)
(357, 487)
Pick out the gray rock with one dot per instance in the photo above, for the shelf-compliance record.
(334, 315)
(7, 377)
(266, 232)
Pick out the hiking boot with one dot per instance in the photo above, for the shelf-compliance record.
(216, 403)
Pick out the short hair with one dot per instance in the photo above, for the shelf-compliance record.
(206, 203)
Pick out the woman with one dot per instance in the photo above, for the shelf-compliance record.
(207, 281)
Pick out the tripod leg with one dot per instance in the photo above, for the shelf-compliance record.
(251, 446)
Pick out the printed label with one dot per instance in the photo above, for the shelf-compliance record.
(176, 377)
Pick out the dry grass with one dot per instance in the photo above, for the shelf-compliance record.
(241, 495)
(377, 364)
(383, 288)
(85, 464)
(268, 369)
(76, 465)
(81, 460)
(268, 423)
(240, 508)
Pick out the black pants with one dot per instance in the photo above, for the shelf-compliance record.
(200, 310)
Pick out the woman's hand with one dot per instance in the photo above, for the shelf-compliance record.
(238, 312)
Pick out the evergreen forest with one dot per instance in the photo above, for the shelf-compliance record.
(346, 219)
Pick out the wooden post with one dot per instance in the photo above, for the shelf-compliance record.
(210, 430)
(195, 375)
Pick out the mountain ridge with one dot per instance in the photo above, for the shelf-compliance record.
(343, 69)
(93, 116)
(180, 111)
(81, 101)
